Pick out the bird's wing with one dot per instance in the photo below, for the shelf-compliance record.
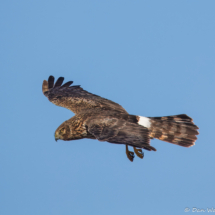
(119, 131)
(75, 98)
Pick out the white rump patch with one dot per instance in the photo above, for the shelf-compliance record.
(144, 121)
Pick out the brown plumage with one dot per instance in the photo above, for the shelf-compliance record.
(104, 120)
(178, 129)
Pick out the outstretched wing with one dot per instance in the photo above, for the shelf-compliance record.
(75, 98)
(119, 131)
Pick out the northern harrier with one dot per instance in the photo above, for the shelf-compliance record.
(104, 120)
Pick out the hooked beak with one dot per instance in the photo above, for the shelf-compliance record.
(56, 137)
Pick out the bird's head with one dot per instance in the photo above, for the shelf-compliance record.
(62, 132)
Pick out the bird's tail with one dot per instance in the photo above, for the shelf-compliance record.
(177, 129)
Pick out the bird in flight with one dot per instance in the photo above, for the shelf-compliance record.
(104, 120)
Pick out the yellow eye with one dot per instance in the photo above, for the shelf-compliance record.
(62, 131)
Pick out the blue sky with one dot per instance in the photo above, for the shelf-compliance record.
(155, 58)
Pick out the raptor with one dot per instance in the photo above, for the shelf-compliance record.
(104, 120)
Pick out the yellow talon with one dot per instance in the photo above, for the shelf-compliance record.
(139, 152)
(129, 154)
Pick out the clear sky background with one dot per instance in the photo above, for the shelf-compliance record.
(155, 58)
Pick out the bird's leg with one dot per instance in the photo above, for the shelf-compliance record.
(139, 152)
(129, 154)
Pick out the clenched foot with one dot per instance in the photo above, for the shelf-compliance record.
(129, 154)
(139, 152)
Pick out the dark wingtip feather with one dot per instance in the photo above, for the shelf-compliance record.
(51, 81)
(67, 84)
(75, 86)
(59, 82)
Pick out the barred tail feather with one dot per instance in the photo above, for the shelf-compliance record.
(177, 129)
